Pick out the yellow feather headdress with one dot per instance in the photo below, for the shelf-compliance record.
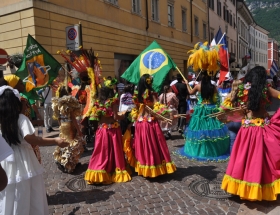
(203, 57)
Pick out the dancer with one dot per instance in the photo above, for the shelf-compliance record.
(169, 99)
(107, 163)
(66, 108)
(253, 171)
(25, 192)
(207, 138)
(232, 120)
(151, 157)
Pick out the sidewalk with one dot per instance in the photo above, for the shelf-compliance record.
(193, 189)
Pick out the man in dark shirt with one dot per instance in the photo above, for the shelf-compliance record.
(182, 96)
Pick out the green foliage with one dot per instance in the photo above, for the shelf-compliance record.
(269, 19)
(266, 14)
(261, 1)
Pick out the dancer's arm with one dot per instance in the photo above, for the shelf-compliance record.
(43, 141)
(274, 93)
(192, 91)
(116, 115)
(74, 120)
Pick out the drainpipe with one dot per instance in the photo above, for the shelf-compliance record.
(191, 21)
(237, 35)
(147, 16)
(208, 11)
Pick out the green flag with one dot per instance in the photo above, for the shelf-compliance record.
(154, 61)
(38, 68)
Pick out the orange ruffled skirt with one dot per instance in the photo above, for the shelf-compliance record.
(253, 172)
(149, 153)
(107, 163)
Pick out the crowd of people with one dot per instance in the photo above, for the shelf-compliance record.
(228, 122)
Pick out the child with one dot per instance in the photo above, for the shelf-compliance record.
(25, 193)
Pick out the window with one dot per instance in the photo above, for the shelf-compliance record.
(155, 15)
(184, 20)
(170, 14)
(113, 1)
(224, 12)
(219, 8)
(211, 4)
(230, 19)
(196, 30)
(204, 31)
(136, 6)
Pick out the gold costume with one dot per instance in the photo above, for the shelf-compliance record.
(64, 108)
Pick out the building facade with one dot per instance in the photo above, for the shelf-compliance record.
(117, 30)
(272, 53)
(244, 20)
(258, 40)
(222, 14)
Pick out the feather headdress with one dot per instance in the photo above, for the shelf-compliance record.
(203, 57)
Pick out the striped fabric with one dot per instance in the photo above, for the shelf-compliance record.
(273, 69)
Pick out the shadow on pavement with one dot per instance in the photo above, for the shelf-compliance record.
(207, 172)
(74, 211)
(261, 206)
(80, 169)
(89, 197)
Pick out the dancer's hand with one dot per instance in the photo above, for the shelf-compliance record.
(61, 142)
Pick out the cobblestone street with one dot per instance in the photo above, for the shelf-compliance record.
(193, 189)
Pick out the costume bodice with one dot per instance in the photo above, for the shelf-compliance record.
(147, 98)
(215, 100)
(65, 107)
(243, 91)
(99, 109)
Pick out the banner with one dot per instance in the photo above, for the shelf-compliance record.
(153, 61)
(38, 68)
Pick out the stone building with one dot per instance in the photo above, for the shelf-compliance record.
(244, 20)
(117, 30)
(222, 13)
(258, 44)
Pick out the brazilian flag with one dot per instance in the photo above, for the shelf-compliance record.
(154, 61)
(38, 68)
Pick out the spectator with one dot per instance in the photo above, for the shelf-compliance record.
(5, 151)
(47, 96)
(182, 96)
(25, 192)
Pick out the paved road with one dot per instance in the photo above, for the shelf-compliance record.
(193, 189)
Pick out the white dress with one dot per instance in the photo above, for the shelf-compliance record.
(25, 193)
(5, 149)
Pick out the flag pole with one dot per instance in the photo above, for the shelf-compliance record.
(221, 39)
(181, 74)
(198, 75)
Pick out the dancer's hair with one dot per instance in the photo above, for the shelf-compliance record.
(143, 85)
(129, 88)
(257, 78)
(106, 93)
(207, 88)
(234, 89)
(63, 91)
(165, 91)
(10, 108)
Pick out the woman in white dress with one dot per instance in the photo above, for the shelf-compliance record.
(25, 193)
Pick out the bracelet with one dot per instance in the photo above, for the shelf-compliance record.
(279, 96)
